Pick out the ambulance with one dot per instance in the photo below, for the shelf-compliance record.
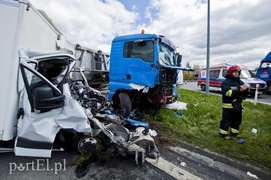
(217, 75)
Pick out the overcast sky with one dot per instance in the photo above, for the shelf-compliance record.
(240, 30)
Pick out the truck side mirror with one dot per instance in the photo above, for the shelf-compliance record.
(45, 99)
(179, 60)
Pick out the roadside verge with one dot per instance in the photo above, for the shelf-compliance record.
(239, 165)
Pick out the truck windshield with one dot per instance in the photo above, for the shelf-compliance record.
(245, 73)
(266, 65)
(166, 55)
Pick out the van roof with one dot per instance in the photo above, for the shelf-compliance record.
(223, 65)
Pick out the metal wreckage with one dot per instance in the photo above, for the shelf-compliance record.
(59, 110)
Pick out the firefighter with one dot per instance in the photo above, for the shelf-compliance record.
(234, 92)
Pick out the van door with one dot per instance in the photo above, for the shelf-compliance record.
(40, 104)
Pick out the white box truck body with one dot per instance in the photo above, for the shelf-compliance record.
(22, 27)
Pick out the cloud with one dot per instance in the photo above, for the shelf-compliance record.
(90, 23)
(239, 30)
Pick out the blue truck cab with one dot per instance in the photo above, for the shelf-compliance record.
(143, 72)
(264, 71)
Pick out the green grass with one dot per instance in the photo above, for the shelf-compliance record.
(200, 124)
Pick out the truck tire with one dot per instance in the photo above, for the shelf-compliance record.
(124, 106)
(202, 87)
(268, 90)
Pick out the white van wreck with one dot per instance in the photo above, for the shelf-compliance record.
(46, 105)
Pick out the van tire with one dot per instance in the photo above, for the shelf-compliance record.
(124, 106)
(202, 87)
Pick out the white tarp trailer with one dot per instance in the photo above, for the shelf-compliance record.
(95, 64)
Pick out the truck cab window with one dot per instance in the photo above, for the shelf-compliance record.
(143, 50)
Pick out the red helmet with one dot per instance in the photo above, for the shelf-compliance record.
(233, 68)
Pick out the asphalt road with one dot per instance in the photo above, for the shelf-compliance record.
(59, 167)
(263, 98)
(117, 167)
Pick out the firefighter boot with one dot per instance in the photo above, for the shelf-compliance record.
(235, 133)
(224, 134)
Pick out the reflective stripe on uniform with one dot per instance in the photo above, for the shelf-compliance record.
(229, 93)
(235, 131)
(221, 131)
(227, 105)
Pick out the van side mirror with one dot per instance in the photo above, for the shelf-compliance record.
(45, 99)
(179, 60)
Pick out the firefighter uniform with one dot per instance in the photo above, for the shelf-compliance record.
(232, 97)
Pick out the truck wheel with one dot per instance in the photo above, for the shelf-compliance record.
(124, 107)
(268, 90)
(202, 87)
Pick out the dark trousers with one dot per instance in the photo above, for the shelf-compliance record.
(230, 119)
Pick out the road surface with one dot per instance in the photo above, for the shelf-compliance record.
(169, 167)
(263, 98)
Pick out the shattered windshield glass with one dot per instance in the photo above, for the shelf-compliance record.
(266, 65)
(166, 55)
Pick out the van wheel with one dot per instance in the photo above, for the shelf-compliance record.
(124, 107)
(202, 87)
(85, 144)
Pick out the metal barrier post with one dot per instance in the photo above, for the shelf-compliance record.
(256, 94)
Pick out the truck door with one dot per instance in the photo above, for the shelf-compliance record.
(139, 60)
(264, 73)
